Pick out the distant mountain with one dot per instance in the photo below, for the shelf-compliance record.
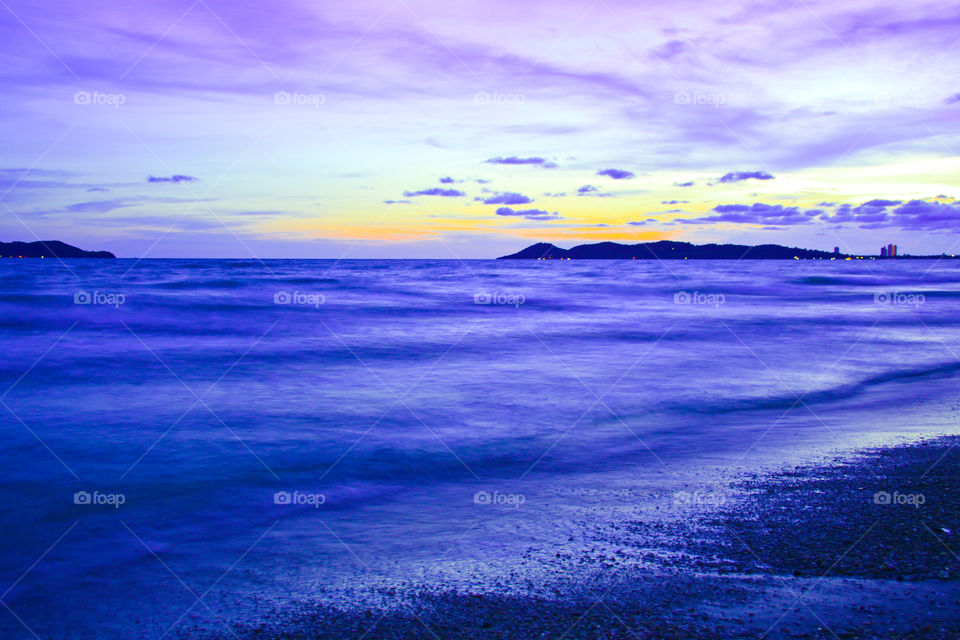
(47, 249)
(668, 250)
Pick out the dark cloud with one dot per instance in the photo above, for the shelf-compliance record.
(173, 178)
(537, 161)
(674, 202)
(508, 198)
(529, 214)
(683, 184)
(915, 215)
(926, 215)
(447, 180)
(435, 191)
(740, 176)
(616, 174)
(869, 215)
(757, 213)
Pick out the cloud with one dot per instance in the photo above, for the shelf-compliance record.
(449, 180)
(757, 213)
(435, 191)
(927, 215)
(882, 203)
(915, 215)
(668, 50)
(674, 202)
(99, 206)
(616, 174)
(954, 99)
(559, 194)
(529, 214)
(96, 189)
(683, 184)
(173, 178)
(397, 202)
(740, 176)
(592, 191)
(872, 214)
(106, 206)
(542, 162)
(508, 198)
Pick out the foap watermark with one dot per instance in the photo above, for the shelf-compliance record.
(699, 98)
(899, 100)
(298, 99)
(97, 99)
(499, 499)
(899, 298)
(699, 298)
(301, 298)
(899, 499)
(96, 498)
(498, 297)
(715, 498)
(299, 498)
(498, 99)
(112, 299)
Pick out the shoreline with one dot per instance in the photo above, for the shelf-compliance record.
(861, 547)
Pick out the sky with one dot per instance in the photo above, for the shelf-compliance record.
(424, 129)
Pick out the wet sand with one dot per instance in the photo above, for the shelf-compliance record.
(864, 547)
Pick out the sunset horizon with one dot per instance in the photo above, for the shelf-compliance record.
(392, 130)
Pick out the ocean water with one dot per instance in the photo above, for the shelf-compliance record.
(189, 444)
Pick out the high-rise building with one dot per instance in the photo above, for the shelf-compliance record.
(891, 251)
(836, 251)
(883, 252)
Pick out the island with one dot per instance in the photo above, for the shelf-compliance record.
(48, 249)
(669, 250)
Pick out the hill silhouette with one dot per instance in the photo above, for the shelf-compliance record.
(48, 249)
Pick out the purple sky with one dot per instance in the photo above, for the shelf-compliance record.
(406, 128)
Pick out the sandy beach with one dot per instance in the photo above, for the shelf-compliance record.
(863, 547)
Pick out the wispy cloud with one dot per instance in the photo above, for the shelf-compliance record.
(529, 214)
(740, 176)
(435, 191)
(514, 160)
(173, 178)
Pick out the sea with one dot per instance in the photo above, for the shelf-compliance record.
(190, 446)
